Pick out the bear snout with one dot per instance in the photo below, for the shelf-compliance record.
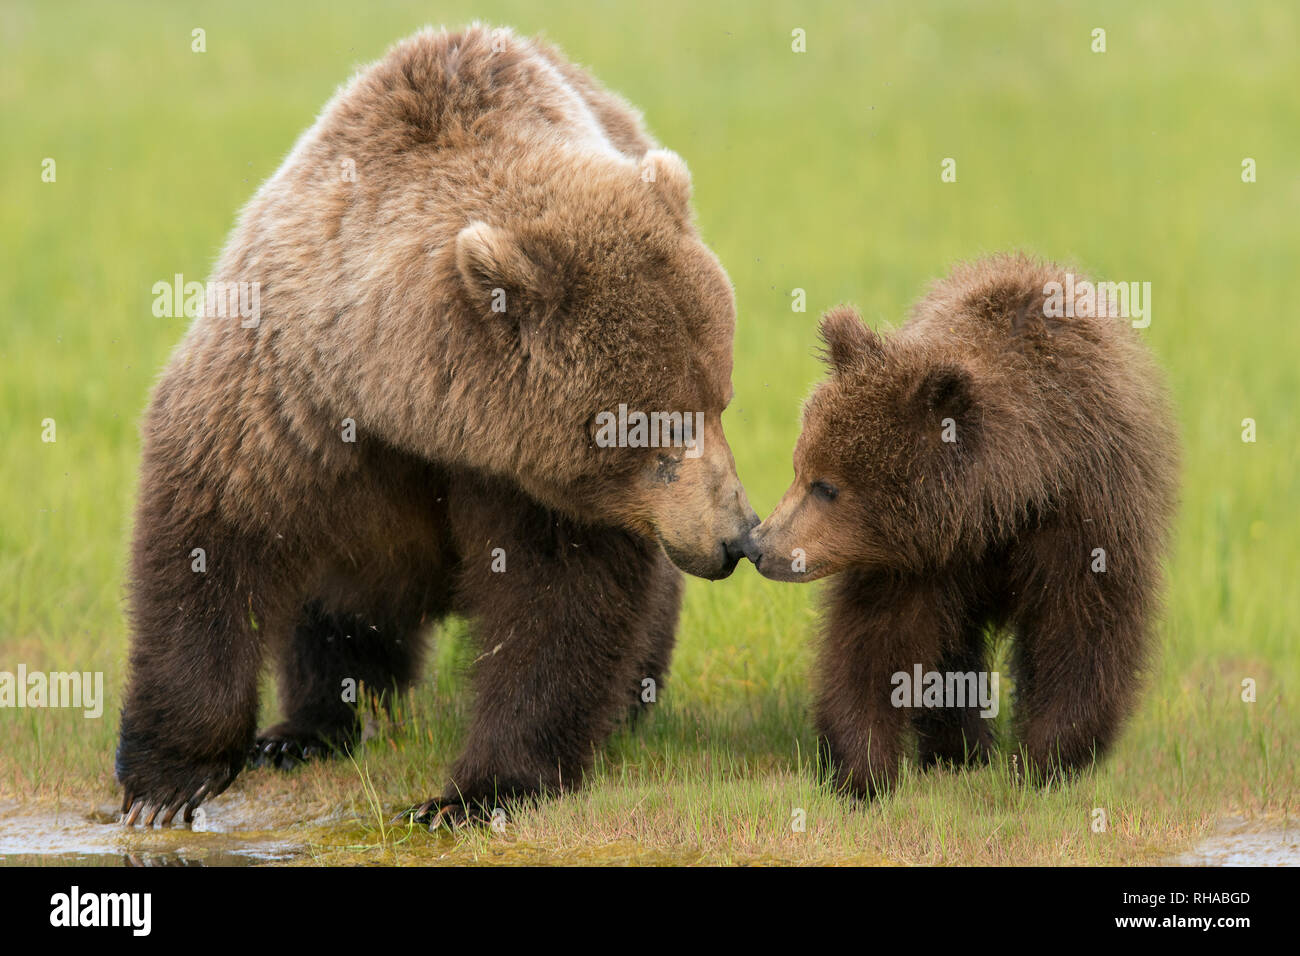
(753, 550)
(740, 546)
(759, 550)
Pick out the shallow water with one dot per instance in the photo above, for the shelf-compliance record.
(44, 838)
(1240, 842)
(230, 837)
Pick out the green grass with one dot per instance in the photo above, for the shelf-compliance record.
(818, 171)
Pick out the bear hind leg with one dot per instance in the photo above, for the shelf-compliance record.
(1080, 642)
(334, 661)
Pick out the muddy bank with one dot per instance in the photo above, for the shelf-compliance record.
(245, 833)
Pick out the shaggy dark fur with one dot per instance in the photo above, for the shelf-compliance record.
(488, 172)
(1064, 444)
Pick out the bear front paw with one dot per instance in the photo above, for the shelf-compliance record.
(158, 791)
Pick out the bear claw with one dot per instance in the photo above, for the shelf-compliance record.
(284, 753)
(144, 811)
(438, 813)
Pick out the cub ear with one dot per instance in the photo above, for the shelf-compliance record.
(667, 172)
(945, 392)
(847, 340)
(500, 273)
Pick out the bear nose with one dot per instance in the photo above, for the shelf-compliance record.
(753, 549)
(741, 546)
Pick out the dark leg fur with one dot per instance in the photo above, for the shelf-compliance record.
(876, 626)
(956, 736)
(381, 655)
(191, 703)
(190, 711)
(1080, 643)
(563, 633)
(390, 579)
(665, 591)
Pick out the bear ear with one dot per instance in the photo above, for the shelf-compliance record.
(667, 173)
(499, 272)
(945, 392)
(847, 340)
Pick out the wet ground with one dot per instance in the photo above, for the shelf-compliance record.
(30, 837)
(42, 838)
(1239, 842)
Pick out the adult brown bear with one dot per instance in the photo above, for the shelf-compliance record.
(473, 255)
(990, 464)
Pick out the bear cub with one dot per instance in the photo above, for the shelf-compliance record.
(992, 465)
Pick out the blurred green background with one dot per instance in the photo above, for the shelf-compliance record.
(817, 170)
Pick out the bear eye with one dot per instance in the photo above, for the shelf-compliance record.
(824, 490)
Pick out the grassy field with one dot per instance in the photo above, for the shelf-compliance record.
(817, 170)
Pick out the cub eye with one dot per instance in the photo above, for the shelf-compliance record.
(824, 490)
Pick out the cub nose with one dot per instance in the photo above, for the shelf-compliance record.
(753, 549)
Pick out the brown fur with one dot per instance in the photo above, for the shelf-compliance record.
(1064, 444)
(477, 169)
